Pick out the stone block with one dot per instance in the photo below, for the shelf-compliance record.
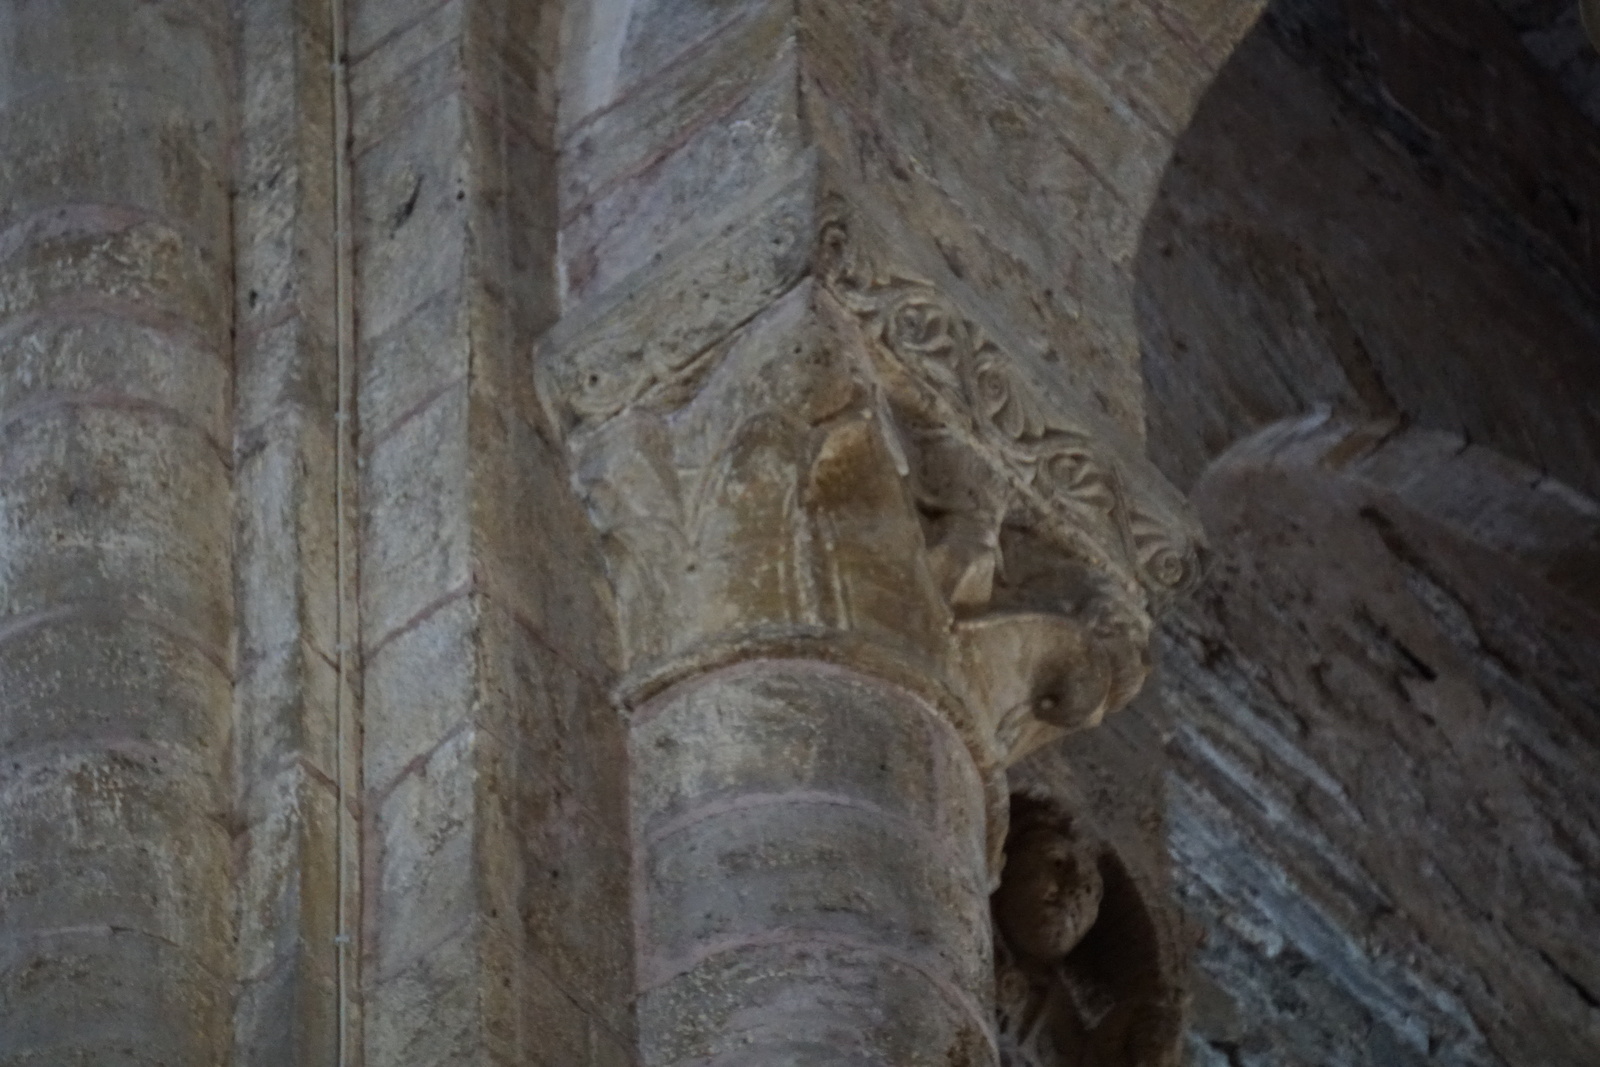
(283, 211)
(424, 353)
(288, 882)
(1129, 45)
(510, 303)
(422, 686)
(513, 55)
(85, 677)
(288, 1015)
(574, 909)
(285, 536)
(566, 823)
(609, 1048)
(512, 296)
(419, 67)
(411, 211)
(285, 294)
(626, 138)
(87, 353)
(533, 550)
(436, 858)
(108, 998)
(627, 224)
(750, 256)
(286, 711)
(659, 32)
(85, 145)
(120, 261)
(571, 736)
(130, 838)
(756, 732)
(557, 1030)
(110, 505)
(416, 527)
(376, 23)
(434, 1010)
(127, 46)
(813, 868)
(814, 1003)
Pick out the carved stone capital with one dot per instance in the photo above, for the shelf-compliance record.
(1052, 538)
(862, 473)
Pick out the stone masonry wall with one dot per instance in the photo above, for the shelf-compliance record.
(494, 871)
(1373, 719)
(1382, 809)
(287, 775)
(1379, 711)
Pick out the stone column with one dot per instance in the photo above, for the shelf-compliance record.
(115, 561)
(811, 883)
(862, 563)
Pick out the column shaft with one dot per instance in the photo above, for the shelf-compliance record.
(810, 874)
(115, 561)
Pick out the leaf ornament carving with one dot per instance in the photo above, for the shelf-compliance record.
(943, 371)
(1074, 475)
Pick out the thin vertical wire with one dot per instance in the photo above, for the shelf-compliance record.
(344, 343)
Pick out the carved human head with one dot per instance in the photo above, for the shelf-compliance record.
(1051, 889)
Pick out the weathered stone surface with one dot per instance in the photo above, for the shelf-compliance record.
(491, 758)
(612, 231)
(297, 715)
(777, 736)
(812, 1002)
(116, 587)
(1340, 811)
(288, 992)
(708, 641)
(1435, 897)
(117, 836)
(1290, 195)
(765, 833)
(107, 996)
(95, 353)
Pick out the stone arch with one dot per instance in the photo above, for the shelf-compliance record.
(1329, 233)
(1536, 522)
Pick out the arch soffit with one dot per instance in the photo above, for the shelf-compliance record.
(1522, 514)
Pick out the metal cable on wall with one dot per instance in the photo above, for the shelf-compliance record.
(344, 342)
